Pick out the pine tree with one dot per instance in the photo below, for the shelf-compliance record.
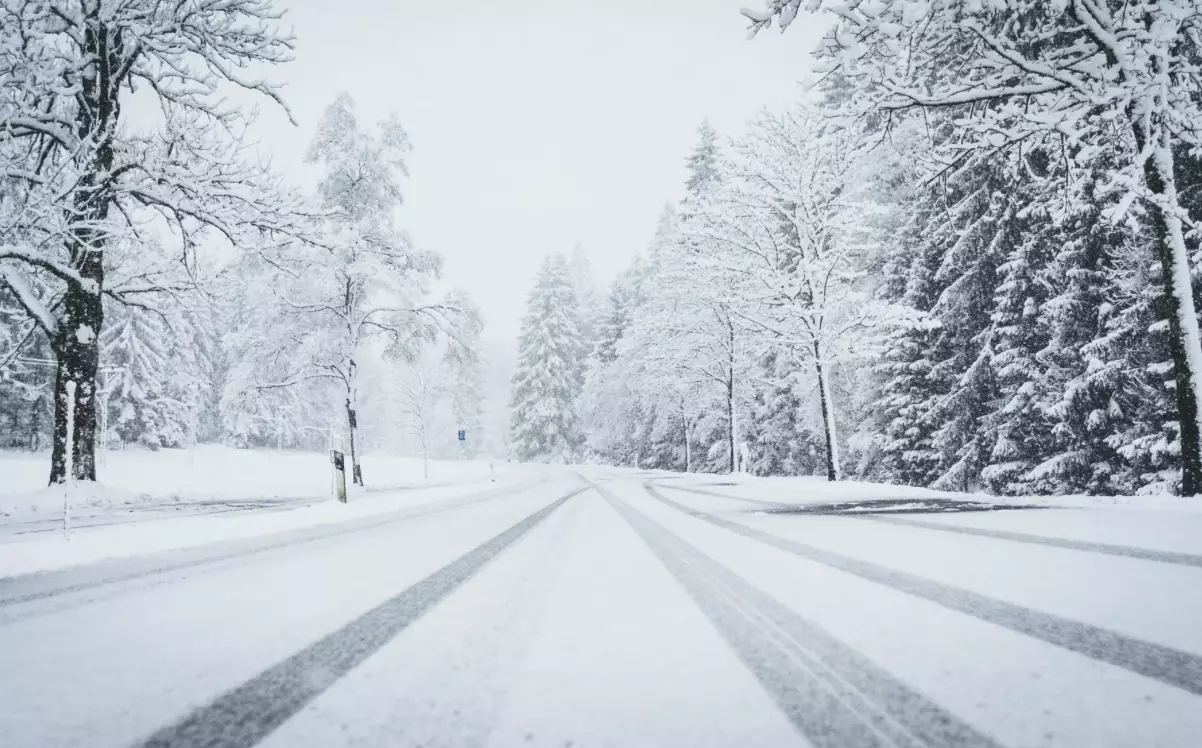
(1124, 75)
(1017, 427)
(1129, 383)
(1081, 393)
(703, 162)
(785, 444)
(904, 387)
(134, 347)
(588, 301)
(543, 422)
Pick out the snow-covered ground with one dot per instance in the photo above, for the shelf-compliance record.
(210, 472)
(815, 490)
(151, 502)
(99, 537)
(592, 606)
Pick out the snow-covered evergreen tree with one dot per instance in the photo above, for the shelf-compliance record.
(588, 300)
(703, 162)
(543, 422)
(135, 345)
(1101, 85)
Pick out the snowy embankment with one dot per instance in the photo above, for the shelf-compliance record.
(56, 549)
(137, 478)
(803, 490)
(173, 499)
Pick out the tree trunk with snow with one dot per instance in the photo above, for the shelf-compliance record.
(352, 421)
(731, 407)
(688, 452)
(828, 419)
(732, 425)
(77, 353)
(76, 341)
(1185, 344)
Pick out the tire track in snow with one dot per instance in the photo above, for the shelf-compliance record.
(246, 714)
(46, 584)
(46, 526)
(1173, 667)
(1109, 549)
(834, 696)
(755, 502)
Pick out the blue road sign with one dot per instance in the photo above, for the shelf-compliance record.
(462, 435)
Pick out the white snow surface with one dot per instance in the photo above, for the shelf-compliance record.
(173, 499)
(554, 644)
(580, 634)
(62, 685)
(803, 490)
(138, 476)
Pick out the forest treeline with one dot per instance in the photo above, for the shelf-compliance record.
(967, 260)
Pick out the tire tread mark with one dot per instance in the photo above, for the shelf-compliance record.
(1171, 666)
(1109, 549)
(186, 558)
(834, 696)
(244, 715)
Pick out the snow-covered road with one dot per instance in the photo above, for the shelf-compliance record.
(610, 608)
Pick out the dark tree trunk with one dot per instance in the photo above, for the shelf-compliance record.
(731, 413)
(352, 420)
(688, 452)
(77, 350)
(76, 342)
(732, 437)
(35, 423)
(828, 422)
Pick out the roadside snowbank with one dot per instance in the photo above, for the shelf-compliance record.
(802, 490)
(56, 550)
(138, 477)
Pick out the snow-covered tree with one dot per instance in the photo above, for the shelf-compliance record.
(77, 178)
(587, 298)
(703, 162)
(788, 229)
(249, 413)
(363, 281)
(543, 422)
(497, 367)
(1086, 80)
(26, 378)
(422, 395)
(134, 344)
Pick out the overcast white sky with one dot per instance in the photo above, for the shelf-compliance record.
(536, 123)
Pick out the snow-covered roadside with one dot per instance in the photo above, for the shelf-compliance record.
(59, 550)
(803, 490)
(137, 477)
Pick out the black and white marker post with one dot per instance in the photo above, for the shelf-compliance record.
(339, 475)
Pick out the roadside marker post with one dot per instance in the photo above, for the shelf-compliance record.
(69, 459)
(339, 475)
